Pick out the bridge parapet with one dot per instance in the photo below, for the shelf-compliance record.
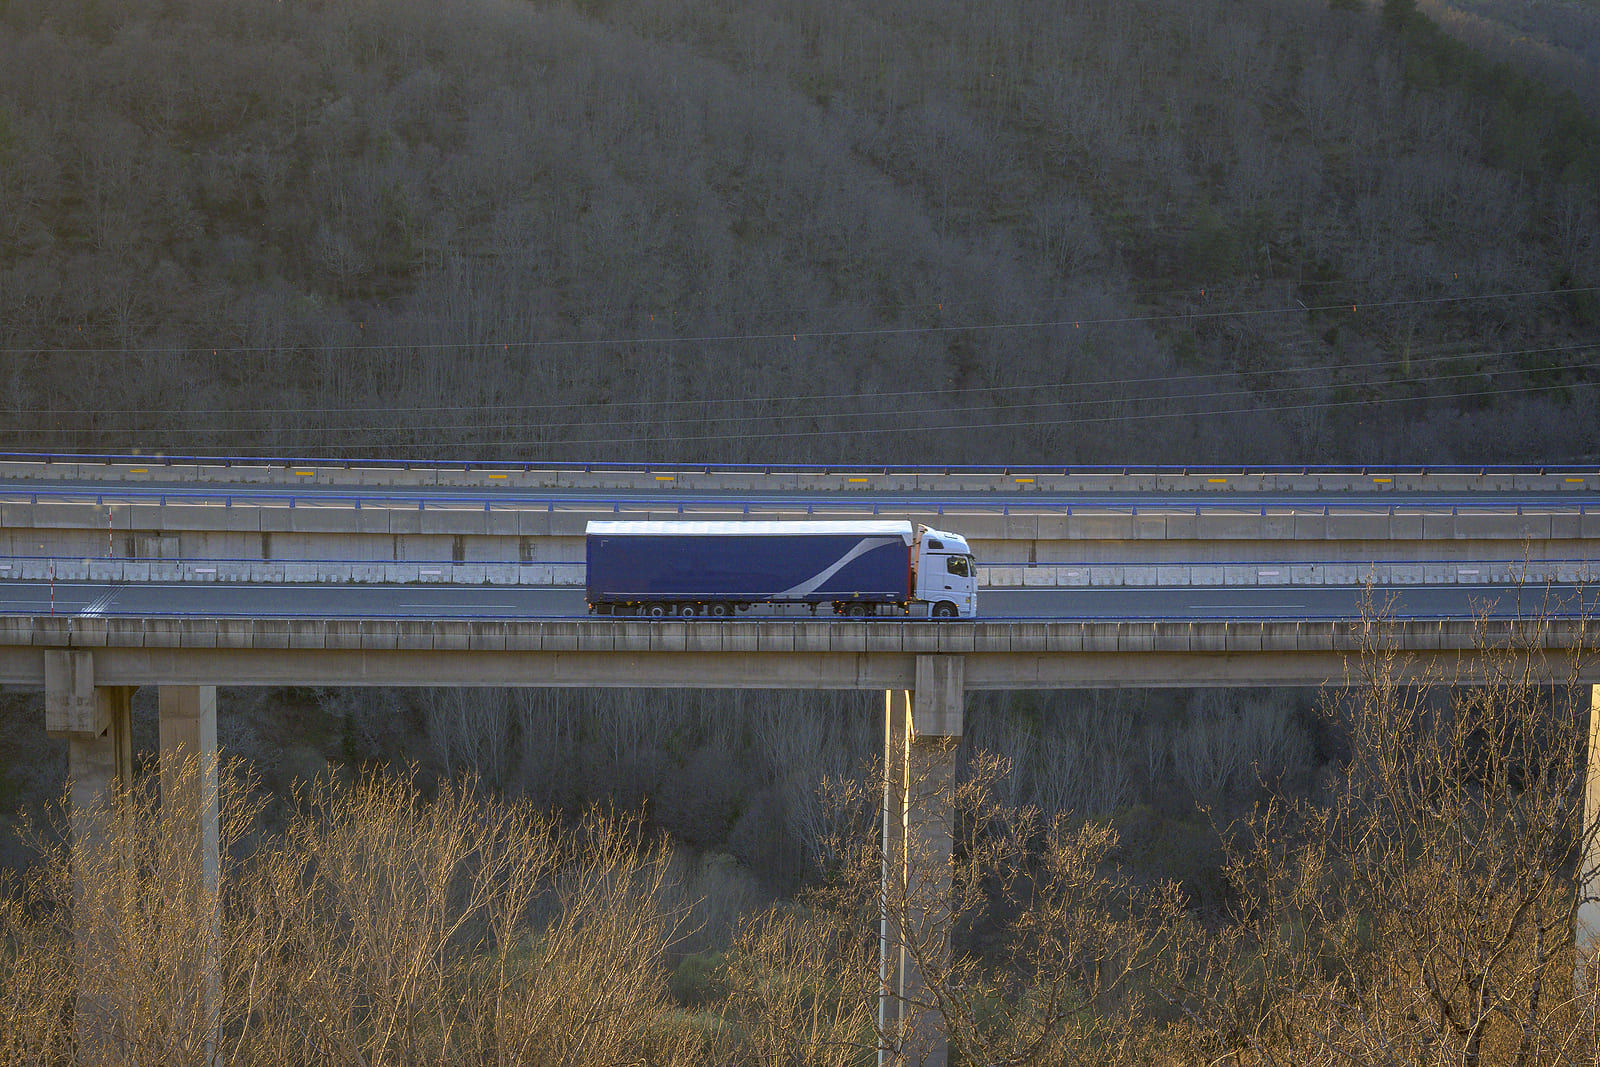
(774, 653)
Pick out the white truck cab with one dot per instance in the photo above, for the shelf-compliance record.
(946, 577)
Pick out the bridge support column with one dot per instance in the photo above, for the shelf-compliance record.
(97, 723)
(189, 812)
(921, 731)
(1588, 920)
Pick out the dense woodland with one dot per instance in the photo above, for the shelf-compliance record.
(1065, 232)
(1061, 232)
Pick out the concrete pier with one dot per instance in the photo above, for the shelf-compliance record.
(96, 721)
(921, 730)
(189, 814)
(1588, 920)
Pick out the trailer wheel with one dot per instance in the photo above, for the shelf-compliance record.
(858, 610)
(656, 611)
(944, 610)
(719, 610)
(688, 611)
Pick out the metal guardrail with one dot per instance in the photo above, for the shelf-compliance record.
(457, 501)
(649, 467)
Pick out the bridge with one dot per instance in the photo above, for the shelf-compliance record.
(192, 574)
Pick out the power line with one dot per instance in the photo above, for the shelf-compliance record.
(391, 409)
(1207, 292)
(661, 423)
(944, 427)
(793, 336)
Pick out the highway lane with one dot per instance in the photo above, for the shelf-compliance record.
(1171, 603)
(825, 496)
(922, 501)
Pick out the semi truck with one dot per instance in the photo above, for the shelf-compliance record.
(659, 569)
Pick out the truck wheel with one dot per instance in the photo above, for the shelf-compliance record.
(944, 610)
(656, 611)
(689, 611)
(719, 610)
(858, 610)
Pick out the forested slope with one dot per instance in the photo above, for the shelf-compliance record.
(1068, 232)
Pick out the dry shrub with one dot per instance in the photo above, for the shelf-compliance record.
(116, 946)
(1029, 947)
(380, 928)
(37, 984)
(1424, 913)
(802, 989)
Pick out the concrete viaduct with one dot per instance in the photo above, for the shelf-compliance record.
(89, 665)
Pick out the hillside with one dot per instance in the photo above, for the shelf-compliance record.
(1074, 232)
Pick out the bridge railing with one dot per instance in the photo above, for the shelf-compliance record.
(991, 575)
(832, 477)
(465, 500)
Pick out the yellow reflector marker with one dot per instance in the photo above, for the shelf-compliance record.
(305, 473)
(1024, 481)
(665, 477)
(138, 470)
(1381, 481)
(1578, 480)
(1218, 481)
(497, 475)
(855, 479)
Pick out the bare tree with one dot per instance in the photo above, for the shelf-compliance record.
(1424, 911)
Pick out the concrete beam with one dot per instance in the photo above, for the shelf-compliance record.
(73, 707)
(937, 710)
(1254, 656)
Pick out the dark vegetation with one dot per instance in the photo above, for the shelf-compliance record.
(1419, 909)
(1160, 230)
(1087, 231)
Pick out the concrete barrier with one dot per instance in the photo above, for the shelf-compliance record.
(996, 576)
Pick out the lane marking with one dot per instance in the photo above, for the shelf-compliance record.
(99, 604)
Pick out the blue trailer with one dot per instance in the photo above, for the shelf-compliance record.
(717, 568)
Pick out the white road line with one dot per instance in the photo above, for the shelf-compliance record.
(98, 605)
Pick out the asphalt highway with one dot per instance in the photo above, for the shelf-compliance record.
(824, 498)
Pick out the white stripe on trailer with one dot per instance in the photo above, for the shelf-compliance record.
(809, 586)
